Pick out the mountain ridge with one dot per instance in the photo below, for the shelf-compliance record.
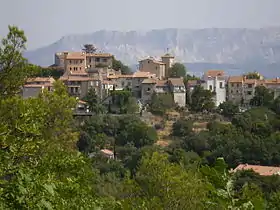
(237, 46)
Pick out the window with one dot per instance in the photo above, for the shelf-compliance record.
(210, 87)
(249, 92)
(221, 84)
(148, 89)
(89, 60)
(81, 61)
(148, 61)
(104, 60)
(70, 61)
(237, 85)
(70, 68)
(97, 59)
(237, 91)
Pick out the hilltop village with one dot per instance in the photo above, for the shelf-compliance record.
(88, 69)
(87, 133)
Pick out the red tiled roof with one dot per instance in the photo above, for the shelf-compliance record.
(235, 79)
(107, 152)
(177, 81)
(261, 170)
(214, 73)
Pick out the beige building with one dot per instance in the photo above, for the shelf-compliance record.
(80, 63)
(159, 68)
(98, 60)
(78, 86)
(175, 86)
(34, 86)
(75, 63)
(241, 89)
(178, 90)
(235, 89)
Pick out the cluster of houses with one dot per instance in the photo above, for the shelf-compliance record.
(84, 70)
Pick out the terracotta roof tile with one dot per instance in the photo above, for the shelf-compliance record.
(142, 74)
(235, 79)
(275, 81)
(214, 73)
(177, 81)
(40, 79)
(262, 170)
(107, 152)
(149, 81)
(75, 55)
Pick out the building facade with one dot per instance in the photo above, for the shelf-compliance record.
(215, 81)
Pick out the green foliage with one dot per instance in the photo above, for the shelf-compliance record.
(118, 65)
(118, 131)
(201, 99)
(94, 102)
(160, 103)
(228, 109)
(40, 167)
(182, 128)
(49, 72)
(163, 185)
(14, 69)
(177, 70)
(252, 75)
(125, 102)
(262, 97)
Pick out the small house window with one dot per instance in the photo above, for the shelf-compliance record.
(97, 59)
(210, 87)
(221, 84)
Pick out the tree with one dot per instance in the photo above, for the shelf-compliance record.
(182, 128)
(14, 69)
(94, 102)
(252, 75)
(177, 70)
(118, 65)
(263, 97)
(160, 103)
(229, 109)
(160, 184)
(201, 99)
(89, 48)
(40, 167)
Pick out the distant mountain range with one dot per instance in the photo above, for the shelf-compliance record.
(235, 50)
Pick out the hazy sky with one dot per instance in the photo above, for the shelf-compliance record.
(45, 21)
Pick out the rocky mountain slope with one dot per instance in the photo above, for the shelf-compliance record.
(242, 47)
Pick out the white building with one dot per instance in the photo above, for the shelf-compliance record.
(215, 81)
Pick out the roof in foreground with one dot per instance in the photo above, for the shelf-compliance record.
(177, 81)
(261, 170)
